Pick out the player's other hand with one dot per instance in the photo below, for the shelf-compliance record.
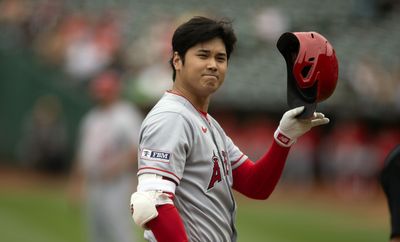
(290, 128)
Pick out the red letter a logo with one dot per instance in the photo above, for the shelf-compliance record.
(216, 173)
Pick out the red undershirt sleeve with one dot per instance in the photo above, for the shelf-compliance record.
(168, 225)
(258, 180)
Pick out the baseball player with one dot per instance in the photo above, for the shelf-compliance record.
(390, 181)
(106, 155)
(188, 166)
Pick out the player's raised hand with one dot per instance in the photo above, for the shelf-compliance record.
(290, 127)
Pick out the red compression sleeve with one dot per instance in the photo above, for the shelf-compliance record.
(168, 225)
(258, 180)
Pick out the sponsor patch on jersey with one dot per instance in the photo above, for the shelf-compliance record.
(155, 155)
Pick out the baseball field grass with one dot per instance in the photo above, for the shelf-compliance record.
(40, 212)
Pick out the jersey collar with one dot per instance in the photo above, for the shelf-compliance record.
(202, 113)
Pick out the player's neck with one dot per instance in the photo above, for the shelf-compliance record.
(199, 102)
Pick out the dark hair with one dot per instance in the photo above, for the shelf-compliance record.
(201, 29)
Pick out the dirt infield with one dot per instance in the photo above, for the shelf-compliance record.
(24, 179)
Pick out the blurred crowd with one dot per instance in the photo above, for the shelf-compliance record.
(83, 43)
(346, 154)
(82, 39)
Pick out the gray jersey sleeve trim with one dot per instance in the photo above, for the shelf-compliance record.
(239, 161)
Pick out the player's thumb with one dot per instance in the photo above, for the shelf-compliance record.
(319, 121)
(294, 112)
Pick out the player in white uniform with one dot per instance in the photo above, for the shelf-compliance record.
(187, 164)
(106, 160)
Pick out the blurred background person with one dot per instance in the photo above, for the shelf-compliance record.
(43, 145)
(390, 181)
(106, 161)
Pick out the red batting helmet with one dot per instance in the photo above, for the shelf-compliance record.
(312, 69)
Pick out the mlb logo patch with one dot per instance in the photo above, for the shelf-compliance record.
(153, 155)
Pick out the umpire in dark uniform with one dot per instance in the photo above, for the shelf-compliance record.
(390, 181)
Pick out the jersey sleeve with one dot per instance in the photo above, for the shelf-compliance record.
(165, 139)
(236, 157)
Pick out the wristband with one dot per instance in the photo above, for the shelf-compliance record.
(283, 139)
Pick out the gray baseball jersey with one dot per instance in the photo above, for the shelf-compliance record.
(189, 147)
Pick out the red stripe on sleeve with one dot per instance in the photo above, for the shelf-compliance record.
(234, 163)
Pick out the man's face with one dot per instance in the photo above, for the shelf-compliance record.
(204, 68)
